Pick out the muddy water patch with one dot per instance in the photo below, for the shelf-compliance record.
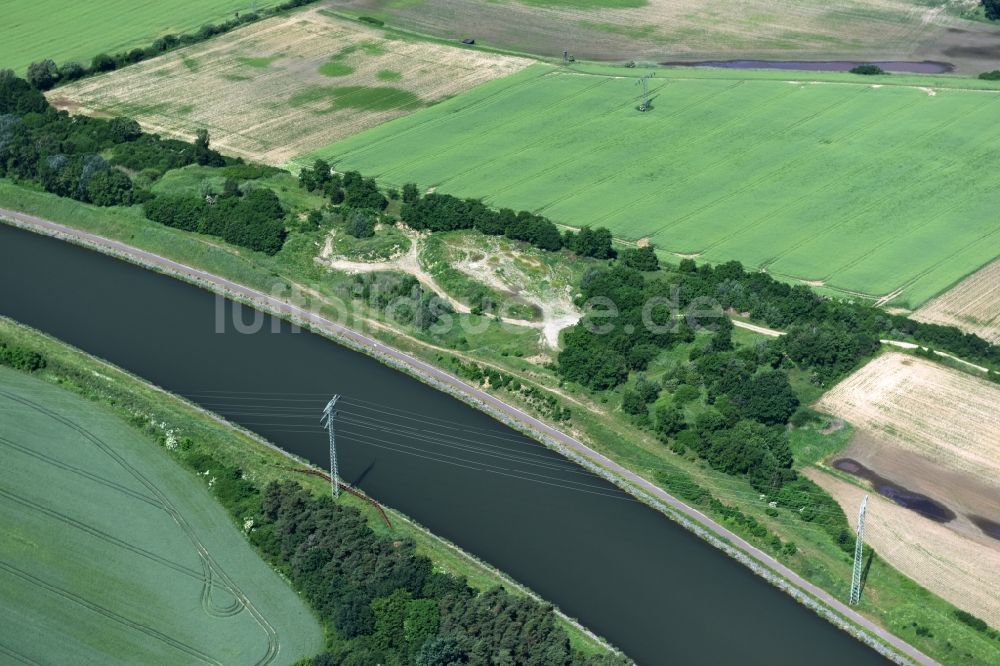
(989, 527)
(921, 67)
(926, 506)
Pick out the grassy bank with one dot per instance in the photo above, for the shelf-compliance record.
(156, 413)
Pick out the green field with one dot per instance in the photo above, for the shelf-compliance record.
(66, 31)
(112, 553)
(856, 184)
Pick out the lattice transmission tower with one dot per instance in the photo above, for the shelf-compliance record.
(328, 419)
(859, 547)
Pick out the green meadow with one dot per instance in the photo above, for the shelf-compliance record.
(65, 31)
(866, 185)
(112, 553)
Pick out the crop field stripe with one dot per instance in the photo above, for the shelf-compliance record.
(512, 81)
(828, 228)
(543, 137)
(484, 131)
(209, 562)
(120, 619)
(611, 142)
(693, 141)
(985, 159)
(101, 535)
(773, 174)
(539, 143)
(867, 169)
(794, 163)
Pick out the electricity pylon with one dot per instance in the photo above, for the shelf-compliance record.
(858, 552)
(644, 82)
(328, 418)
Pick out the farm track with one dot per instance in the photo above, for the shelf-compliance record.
(17, 656)
(212, 569)
(80, 472)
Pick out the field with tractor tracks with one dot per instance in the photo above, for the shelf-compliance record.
(114, 554)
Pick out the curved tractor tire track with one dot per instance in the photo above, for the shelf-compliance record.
(209, 563)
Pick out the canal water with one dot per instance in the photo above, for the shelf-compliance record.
(626, 571)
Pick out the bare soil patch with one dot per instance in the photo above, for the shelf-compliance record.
(286, 85)
(972, 305)
(948, 417)
(699, 30)
(957, 568)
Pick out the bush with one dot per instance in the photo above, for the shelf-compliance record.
(641, 259)
(360, 224)
(991, 76)
(868, 70)
(42, 75)
(971, 620)
(102, 62)
(71, 71)
(21, 358)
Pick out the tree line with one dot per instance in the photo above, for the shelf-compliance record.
(45, 74)
(380, 601)
(91, 159)
(444, 212)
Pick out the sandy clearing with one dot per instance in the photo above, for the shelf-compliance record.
(408, 262)
(945, 415)
(260, 93)
(972, 305)
(946, 563)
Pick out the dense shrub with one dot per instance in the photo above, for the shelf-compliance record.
(641, 258)
(20, 358)
(868, 70)
(254, 220)
(360, 224)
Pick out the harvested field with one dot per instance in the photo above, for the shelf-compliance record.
(945, 416)
(957, 569)
(835, 180)
(285, 85)
(112, 553)
(972, 305)
(690, 29)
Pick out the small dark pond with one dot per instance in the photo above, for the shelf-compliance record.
(922, 504)
(922, 67)
(989, 527)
